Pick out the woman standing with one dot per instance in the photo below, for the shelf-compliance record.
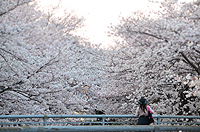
(142, 112)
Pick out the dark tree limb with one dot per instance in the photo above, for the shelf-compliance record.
(43, 66)
(198, 51)
(3, 89)
(11, 9)
(148, 34)
(197, 69)
(27, 95)
(37, 71)
(16, 57)
(8, 64)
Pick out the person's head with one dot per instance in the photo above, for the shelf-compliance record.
(143, 103)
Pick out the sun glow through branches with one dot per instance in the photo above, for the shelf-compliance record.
(98, 14)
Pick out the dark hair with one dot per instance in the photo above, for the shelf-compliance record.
(142, 101)
(143, 107)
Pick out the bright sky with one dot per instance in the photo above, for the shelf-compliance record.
(100, 13)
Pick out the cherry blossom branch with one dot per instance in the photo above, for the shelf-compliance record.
(148, 34)
(8, 64)
(16, 57)
(23, 93)
(196, 50)
(27, 95)
(51, 61)
(197, 69)
(37, 71)
(18, 4)
(3, 89)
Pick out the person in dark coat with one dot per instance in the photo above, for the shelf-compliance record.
(142, 112)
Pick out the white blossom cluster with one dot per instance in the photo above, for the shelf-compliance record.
(43, 64)
(45, 69)
(159, 56)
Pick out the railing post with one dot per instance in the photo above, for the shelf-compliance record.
(158, 120)
(45, 120)
(103, 120)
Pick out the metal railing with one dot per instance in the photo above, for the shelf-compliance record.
(105, 123)
(103, 118)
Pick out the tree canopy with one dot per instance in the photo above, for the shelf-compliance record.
(45, 69)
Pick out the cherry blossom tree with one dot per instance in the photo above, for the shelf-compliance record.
(159, 56)
(45, 69)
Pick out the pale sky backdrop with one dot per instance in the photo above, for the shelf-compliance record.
(100, 13)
